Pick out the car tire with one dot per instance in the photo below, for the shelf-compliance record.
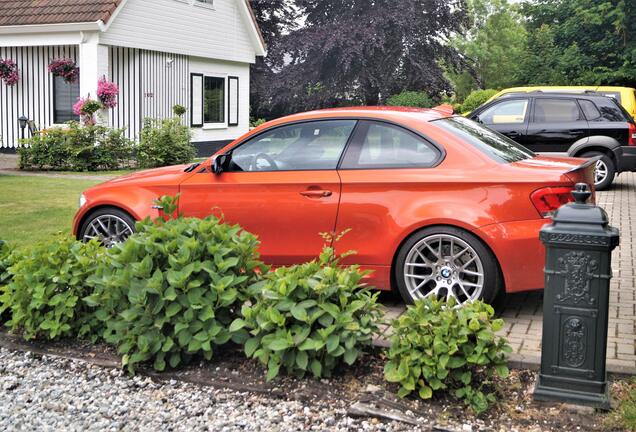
(110, 225)
(465, 269)
(606, 164)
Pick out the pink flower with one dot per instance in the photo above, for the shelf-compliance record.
(9, 72)
(107, 92)
(65, 68)
(77, 108)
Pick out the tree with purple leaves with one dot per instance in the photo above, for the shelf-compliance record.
(329, 53)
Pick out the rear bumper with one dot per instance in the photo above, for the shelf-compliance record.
(519, 251)
(626, 157)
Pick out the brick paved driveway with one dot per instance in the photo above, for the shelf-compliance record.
(523, 312)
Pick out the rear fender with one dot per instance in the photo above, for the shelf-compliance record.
(603, 144)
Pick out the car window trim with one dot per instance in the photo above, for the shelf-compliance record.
(439, 147)
(361, 132)
(270, 129)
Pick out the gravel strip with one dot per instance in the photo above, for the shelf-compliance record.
(47, 393)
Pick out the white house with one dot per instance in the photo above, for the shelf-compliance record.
(195, 53)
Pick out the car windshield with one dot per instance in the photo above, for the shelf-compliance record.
(496, 146)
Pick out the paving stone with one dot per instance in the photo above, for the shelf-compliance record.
(523, 313)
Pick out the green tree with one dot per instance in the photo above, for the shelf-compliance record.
(582, 41)
(492, 46)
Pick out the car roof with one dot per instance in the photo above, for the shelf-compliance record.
(378, 112)
(540, 94)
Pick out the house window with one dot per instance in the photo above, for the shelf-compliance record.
(64, 96)
(209, 3)
(214, 100)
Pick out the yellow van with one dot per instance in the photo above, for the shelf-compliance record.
(626, 96)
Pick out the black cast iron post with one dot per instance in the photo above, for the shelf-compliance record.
(579, 245)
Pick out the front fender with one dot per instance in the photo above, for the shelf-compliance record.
(136, 202)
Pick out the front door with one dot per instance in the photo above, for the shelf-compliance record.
(556, 124)
(281, 185)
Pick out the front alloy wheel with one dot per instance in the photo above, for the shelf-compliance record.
(109, 226)
(446, 263)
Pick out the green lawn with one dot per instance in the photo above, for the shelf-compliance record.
(32, 208)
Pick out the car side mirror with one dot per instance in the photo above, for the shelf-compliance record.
(218, 163)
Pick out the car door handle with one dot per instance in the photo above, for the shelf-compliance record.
(513, 134)
(316, 193)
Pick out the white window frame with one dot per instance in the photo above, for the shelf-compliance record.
(204, 125)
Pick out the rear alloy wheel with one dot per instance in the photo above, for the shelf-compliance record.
(109, 226)
(446, 262)
(605, 170)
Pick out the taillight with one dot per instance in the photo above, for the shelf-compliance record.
(631, 140)
(548, 199)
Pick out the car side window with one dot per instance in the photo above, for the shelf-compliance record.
(506, 112)
(315, 145)
(590, 110)
(556, 111)
(383, 145)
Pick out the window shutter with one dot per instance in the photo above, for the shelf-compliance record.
(196, 100)
(233, 101)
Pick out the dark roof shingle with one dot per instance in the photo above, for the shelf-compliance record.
(30, 12)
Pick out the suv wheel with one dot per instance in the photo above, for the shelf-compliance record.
(605, 170)
(446, 262)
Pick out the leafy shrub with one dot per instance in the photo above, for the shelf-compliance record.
(412, 99)
(78, 148)
(164, 142)
(43, 298)
(172, 289)
(309, 317)
(477, 98)
(257, 122)
(437, 346)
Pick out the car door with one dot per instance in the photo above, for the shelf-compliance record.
(281, 185)
(382, 173)
(556, 124)
(509, 117)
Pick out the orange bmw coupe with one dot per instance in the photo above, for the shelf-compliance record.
(437, 204)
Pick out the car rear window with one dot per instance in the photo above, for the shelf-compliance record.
(611, 110)
(496, 146)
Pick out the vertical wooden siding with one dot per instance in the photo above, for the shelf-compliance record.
(149, 86)
(32, 96)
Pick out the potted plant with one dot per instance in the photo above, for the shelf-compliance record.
(9, 72)
(65, 68)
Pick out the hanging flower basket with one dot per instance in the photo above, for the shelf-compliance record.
(9, 72)
(86, 109)
(107, 92)
(65, 68)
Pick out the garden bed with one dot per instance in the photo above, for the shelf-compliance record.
(361, 384)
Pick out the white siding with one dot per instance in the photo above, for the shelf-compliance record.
(149, 86)
(180, 27)
(32, 96)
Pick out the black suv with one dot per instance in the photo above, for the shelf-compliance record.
(573, 124)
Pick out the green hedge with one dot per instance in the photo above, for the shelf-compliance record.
(476, 99)
(411, 99)
(77, 148)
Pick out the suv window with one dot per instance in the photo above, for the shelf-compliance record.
(556, 111)
(590, 110)
(611, 110)
(509, 112)
(315, 145)
(496, 146)
(388, 146)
